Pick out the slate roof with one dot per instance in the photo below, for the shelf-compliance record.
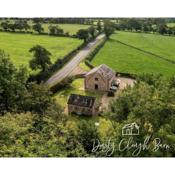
(104, 70)
(80, 100)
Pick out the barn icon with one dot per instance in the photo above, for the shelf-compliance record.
(130, 129)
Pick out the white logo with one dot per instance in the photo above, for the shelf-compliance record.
(130, 129)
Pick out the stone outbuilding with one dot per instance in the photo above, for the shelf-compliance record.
(82, 105)
(100, 78)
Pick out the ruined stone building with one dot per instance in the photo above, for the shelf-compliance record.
(82, 105)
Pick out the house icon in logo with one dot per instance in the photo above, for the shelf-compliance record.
(130, 129)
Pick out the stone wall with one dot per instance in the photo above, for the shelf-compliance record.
(96, 82)
(81, 110)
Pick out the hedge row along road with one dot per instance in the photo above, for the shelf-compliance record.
(71, 65)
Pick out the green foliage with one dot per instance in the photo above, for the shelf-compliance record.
(12, 84)
(152, 105)
(83, 34)
(108, 28)
(38, 99)
(92, 31)
(55, 30)
(99, 27)
(16, 95)
(38, 28)
(172, 82)
(17, 25)
(22, 137)
(41, 58)
(87, 134)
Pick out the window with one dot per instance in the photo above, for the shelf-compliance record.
(96, 79)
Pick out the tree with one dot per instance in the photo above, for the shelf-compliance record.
(134, 24)
(38, 99)
(12, 27)
(162, 29)
(99, 28)
(5, 25)
(18, 25)
(12, 84)
(38, 27)
(170, 31)
(87, 134)
(172, 82)
(41, 58)
(108, 28)
(83, 34)
(55, 30)
(92, 31)
(25, 25)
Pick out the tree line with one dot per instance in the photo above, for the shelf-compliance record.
(158, 25)
(23, 25)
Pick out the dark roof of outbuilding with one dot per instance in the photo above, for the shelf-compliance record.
(80, 100)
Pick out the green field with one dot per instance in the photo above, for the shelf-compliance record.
(70, 28)
(171, 24)
(157, 44)
(130, 60)
(18, 45)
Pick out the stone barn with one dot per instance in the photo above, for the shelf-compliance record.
(82, 105)
(99, 78)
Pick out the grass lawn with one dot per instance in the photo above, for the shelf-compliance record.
(157, 44)
(172, 24)
(71, 28)
(84, 66)
(129, 60)
(76, 87)
(18, 45)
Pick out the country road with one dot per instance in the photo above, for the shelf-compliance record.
(71, 65)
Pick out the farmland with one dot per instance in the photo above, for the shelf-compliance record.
(70, 28)
(136, 59)
(18, 45)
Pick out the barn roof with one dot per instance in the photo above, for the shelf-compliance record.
(80, 100)
(104, 70)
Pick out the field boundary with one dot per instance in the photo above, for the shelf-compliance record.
(57, 65)
(147, 52)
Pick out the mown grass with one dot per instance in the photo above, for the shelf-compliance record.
(161, 45)
(76, 87)
(129, 60)
(18, 45)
